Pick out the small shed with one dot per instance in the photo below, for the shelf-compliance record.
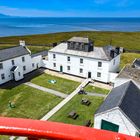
(120, 112)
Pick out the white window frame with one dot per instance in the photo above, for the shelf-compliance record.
(68, 68)
(23, 59)
(2, 76)
(81, 71)
(68, 59)
(54, 56)
(81, 59)
(99, 73)
(100, 64)
(1, 65)
(54, 65)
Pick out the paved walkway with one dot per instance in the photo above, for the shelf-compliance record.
(77, 79)
(66, 100)
(62, 103)
(57, 93)
(96, 94)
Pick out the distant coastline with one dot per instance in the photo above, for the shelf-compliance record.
(17, 26)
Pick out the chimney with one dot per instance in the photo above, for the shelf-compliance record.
(22, 43)
(117, 50)
(112, 53)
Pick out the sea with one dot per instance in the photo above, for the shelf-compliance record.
(28, 26)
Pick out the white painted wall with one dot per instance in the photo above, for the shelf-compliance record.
(117, 117)
(7, 66)
(114, 64)
(89, 65)
(16, 74)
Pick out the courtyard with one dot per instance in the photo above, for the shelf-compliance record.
(62, 85)
(84, 112)
(28, 102)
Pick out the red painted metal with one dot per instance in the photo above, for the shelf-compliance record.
(35, 129)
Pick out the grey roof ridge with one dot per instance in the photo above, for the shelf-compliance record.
(96, 114)
(103, 102)
(128, 118)
(9, 47)
(125, 92)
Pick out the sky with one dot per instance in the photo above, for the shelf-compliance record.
(71, 8)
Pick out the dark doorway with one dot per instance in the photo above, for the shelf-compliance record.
(13, 75)
(37, 66)
(61, 68)
(89, 74)
(109, 126)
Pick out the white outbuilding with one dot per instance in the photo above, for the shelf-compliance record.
(120, 112)
(17, 61)
(78, 56)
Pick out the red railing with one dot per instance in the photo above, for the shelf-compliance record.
(35, 129)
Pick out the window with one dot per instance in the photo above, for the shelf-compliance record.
(13, 62)
(18, 73)
(68, 59)
(23, 59)
(54, 56)
(54, 65)
(98, 74)
(33, 65)
(68, 67)
(1, 66)
(81, 61)
(114, 62)
(24, 68)
(2, 76)
(99, 64)
(81, 70)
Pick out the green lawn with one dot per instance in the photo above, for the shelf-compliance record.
(62, 85)
(29, 102)
(85, 112)
(93, 89)
(35, 49)
(3, 137)
(3, 46)
(128, 58)
(128, 40)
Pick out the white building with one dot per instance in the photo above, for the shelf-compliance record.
(129, 72)
(17, 61)
(120, 111)
(79, 57)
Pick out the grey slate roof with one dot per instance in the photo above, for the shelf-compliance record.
(43, 53)
(13, 68)
(100, 53)
(127, 98)
(79, 39)
(13, 52)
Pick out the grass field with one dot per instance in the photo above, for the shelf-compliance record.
(29, 102)
(128, 40)
(85, 112)
(4, 137)
(62, 85)
(128, 58)
(93, 89)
